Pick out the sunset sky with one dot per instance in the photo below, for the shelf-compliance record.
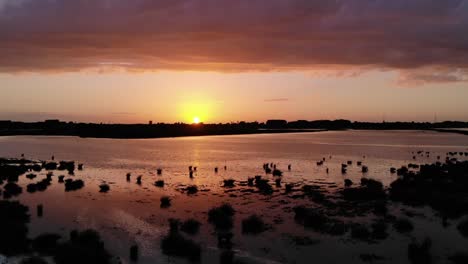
(118, 61)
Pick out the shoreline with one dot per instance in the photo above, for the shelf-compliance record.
(257, 132)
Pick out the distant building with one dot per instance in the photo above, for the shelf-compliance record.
(276, 123)
(150, 122)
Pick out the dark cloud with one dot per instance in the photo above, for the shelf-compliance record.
(225, 35)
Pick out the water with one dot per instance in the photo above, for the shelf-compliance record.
(130, 213)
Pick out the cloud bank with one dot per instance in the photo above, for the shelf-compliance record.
(241, 35)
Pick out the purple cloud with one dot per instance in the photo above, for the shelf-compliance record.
(224, 35)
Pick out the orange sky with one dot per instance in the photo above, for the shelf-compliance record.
(223, 60)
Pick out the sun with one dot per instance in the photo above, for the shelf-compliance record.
(196, 120)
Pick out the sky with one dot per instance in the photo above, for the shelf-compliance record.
(117, 61)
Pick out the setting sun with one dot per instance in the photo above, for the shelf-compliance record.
(196, 120)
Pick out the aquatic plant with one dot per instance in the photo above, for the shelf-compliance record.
(174, 244)
(192, 189)
(33, 260)
(253, 225)
(31, 188)
(73, 185)
(165, 202)
(222, 217)
(365, 169)
(313, 192)
(318, 221)
(459, 258)
(250, 181)
(442, 186)
(360, 232)
(419, 253)
(159, 183)
(46, 244)
(263, 186)
(31, 176)
(134, 253)
(278, 182)
(11, 189)
(403, 225)
(229, 183)
(277, 173)
(13, 228)
(83, 247)
(379, 230)
(226, 257)
(190, 226)
(225, 240)
(369, 190)
(50, 165)
(463, 227)
(348, 182)
(104, 188)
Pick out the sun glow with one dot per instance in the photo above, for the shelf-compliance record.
(196, 120)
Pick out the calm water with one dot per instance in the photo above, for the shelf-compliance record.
(130, 213)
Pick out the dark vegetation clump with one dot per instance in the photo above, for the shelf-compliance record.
(225, 240)
(229, 183)
(278, 182)
(33, 260)
(459, 258)
(68, 166)
(253, 225)
(222, 217)
(176, 245)
(360, 232)
(263, 186)
(192, 189)
(83, 247)
(31, 188)
(31, 176)
(348, 183)
(226, 257)
(73, 185)
(277, 173)
(463, 228)
(11, 189)
(190, 226)
(250, 182)
(369, 190)
(319, 222)
(46, 244)
(104, 188)
(14, 218)
(419, 253)
(379, 230)
(42, 185)
(159, 183)
(134, 253)
(314, 192)
(50, 165)
(442, 186)
(403, 225)
(165, 202)
(60, 179)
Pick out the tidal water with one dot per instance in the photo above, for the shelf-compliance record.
(130, 214)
